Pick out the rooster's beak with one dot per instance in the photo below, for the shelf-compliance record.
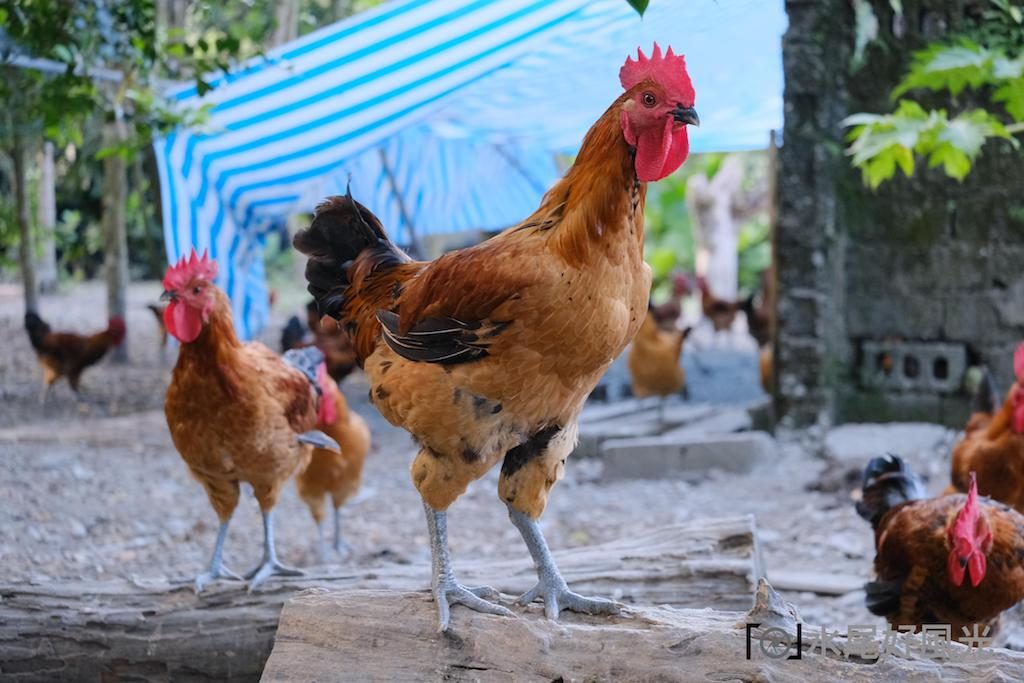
(168, 296)
(686, 115)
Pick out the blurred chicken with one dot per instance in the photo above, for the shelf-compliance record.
(236, 412)
(956, 560)
(766, 367)
(761, 317)
(720, 312)
(667, 314)
(654, 361)
(333, 342)
(337, 474)
(488, 353)
(68, 354)
(993, 442)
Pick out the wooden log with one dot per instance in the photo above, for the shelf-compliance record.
(390, 636)
(157, 629)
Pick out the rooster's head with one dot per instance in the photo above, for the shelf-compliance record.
(656, 110)
(971, 539)
(189, 287)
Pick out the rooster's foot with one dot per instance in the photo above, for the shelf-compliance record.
(449, 592)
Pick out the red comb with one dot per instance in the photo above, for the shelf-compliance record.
(1018, 362)
(668, 69)
(188, 268)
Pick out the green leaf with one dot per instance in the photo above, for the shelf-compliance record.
(639, 5)
(1011, 94)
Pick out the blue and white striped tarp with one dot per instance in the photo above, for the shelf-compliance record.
(445, 113)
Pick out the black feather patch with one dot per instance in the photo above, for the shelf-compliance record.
(435, 340)
(882, 597)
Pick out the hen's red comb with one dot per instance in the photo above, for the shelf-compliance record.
(188, 268)
(668, 69)
(1018, 362)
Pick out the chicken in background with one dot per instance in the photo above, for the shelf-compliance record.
(766, 368)
(337, 474)
(334, 342)
(488, 353)
(68, 354)
(158, 313)
(957, 559)
(236, 412)
(720, 312)
(667, 314)
(654, 361)
(993, 442)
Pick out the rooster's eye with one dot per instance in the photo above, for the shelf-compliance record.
(649, 99)
(196, 290)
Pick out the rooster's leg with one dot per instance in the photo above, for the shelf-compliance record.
(270, 566)
(341, 546)
(217, 569)
(447, 591)
(551, 587)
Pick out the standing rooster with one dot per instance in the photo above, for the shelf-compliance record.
(956, 560)
(993, 442)
(488, 353)
(67, 354)
(236, 412)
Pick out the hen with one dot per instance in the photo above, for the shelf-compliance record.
(720, 312)
(329, 472)
(236, 412)
(993, 442)
(957, 559)
(332, 341)
(67, 354)
(488, 353)
(654, 360)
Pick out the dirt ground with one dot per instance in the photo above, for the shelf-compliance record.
(93, 489)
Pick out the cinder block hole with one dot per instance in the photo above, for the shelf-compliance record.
(883, 361)
(940, 368)
(911, 367)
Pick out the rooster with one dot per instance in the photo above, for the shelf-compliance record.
(957, 559)
(337, 474)
(67, 354)
(335, 344)
(654, 361)
(993, 442)
(236, 412)
(488, 353)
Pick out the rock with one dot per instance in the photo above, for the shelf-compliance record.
(78, 529)
(858, 443)
(684, 455)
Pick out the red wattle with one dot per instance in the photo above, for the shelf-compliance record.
(182, 322)
(660, 152)
(977, 565)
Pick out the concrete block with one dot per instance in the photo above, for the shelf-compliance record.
(858, 443)
(724, 422)
(648, 422)
(911, 366)
(684, 456)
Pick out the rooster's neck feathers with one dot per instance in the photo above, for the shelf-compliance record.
(600, 198)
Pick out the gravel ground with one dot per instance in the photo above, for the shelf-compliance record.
(95, 490)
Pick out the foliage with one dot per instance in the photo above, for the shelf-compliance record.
(639, 5)
(988, 58)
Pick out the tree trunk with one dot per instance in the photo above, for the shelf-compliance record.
(286, 22)
(115, 237)
(92, 631)
(19, 156)
(342, 9)
(47, 219)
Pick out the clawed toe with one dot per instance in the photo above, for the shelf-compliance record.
(270, 568)
(208, 577)
(557, 598)
(453, 593)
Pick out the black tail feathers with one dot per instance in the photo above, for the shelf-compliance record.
(888, 481)
(293, 334)
(37, 329)
(341, 230)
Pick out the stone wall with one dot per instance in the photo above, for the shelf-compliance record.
(885, 296)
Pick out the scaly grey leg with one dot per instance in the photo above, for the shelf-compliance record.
(270, 566)
(341, 546)
(217, 569)
(447, 591)
(551, 587)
